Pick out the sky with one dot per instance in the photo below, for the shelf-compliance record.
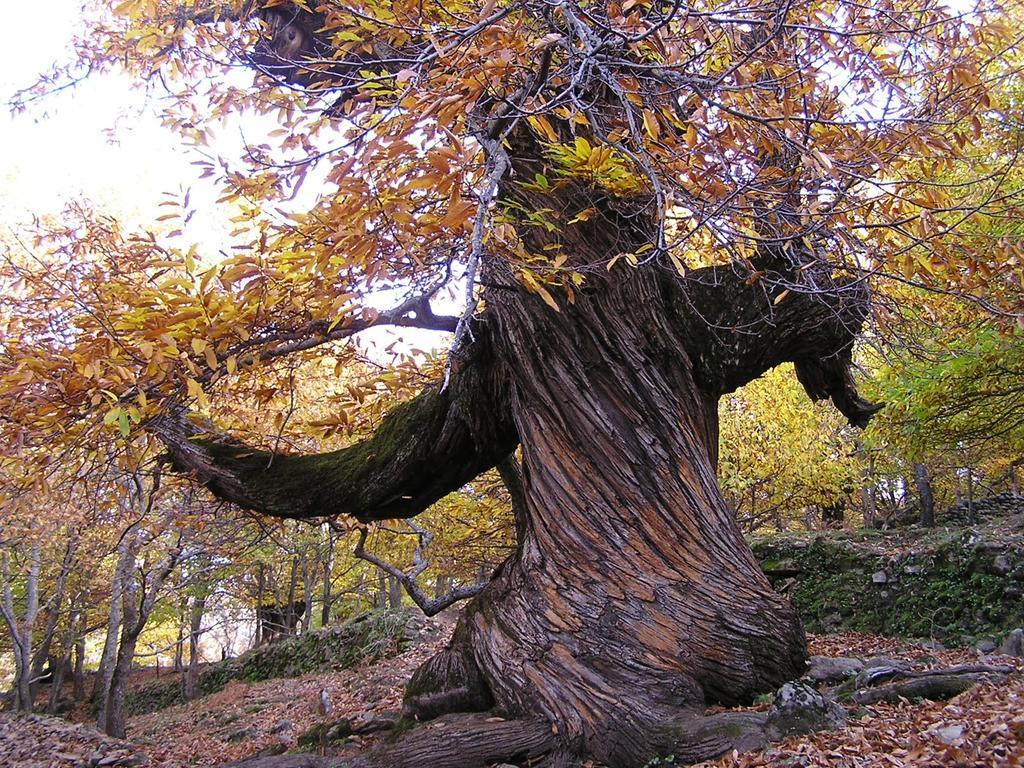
(102, 141)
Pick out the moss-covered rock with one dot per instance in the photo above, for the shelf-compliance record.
(946, 589)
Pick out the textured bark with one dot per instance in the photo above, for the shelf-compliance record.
(632, 595)
(632, 601)
(21, 630)
(126, 550)
(139, 599)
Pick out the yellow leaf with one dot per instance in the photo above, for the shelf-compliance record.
(651, 124)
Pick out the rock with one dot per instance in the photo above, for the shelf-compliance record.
(283, 725)
(775, 569)
(950, 734)
(912, 570)
(1013, 643)
(880, 577)
(828, 669)
(274, 749)
(987, 645)
(797, 708)
(245, 733)
(324, 705)
(1001, 565)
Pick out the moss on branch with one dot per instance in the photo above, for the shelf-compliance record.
(424, 449)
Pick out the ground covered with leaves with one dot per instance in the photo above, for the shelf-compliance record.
(983, 727)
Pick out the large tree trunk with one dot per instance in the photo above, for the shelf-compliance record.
(632, 595)
(632, 601)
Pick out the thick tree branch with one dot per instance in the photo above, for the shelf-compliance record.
(738, 325)
(423, 450)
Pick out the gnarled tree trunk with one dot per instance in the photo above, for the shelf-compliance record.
(632, 595)
(632, 601)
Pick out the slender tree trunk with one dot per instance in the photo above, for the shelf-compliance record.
(924, 493)
(21, 631)
(178, 665)
(61, 669)
(289, 611)
(328, 567)
(261, 587)
(441, 586)
(868, 494)
(56, 603)
(970, 496)
(307, 595)
(139, 598)
(126, 551)
(394, 593)
(114, 722)
(191, 685)
(78, 620)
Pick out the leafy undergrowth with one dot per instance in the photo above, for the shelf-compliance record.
(953, 584)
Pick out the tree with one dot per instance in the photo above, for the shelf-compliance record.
(649, 205)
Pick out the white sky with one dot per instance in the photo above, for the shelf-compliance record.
(97, 141)
(101, 141)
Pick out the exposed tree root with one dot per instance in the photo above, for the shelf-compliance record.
(479, 741)
(454, 741)
(937, 685)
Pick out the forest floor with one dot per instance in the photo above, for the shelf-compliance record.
(982, 728)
